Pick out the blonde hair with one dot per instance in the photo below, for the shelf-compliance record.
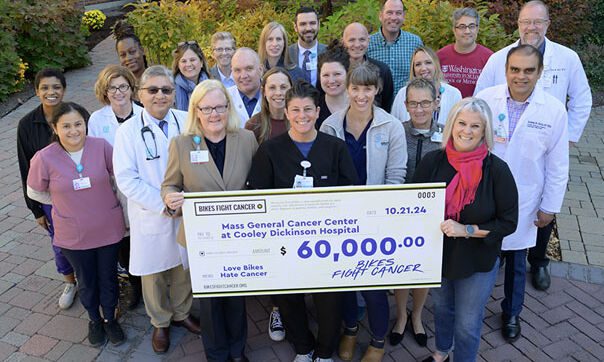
(475, 105)
(268, 28)
(193, 126)
(108, 74)
(438, 74)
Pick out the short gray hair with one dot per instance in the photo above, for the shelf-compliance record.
(471, 104)
(156, 71)
(459, 13)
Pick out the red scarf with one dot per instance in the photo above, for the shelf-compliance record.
(462, 188)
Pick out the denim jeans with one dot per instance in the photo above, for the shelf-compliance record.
(515, 279)
(377, 311)
(458, 313)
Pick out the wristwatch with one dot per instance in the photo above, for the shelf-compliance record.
(469, 231)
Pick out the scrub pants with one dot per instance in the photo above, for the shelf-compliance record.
(63, 266)
(97, 279)
(223, 327)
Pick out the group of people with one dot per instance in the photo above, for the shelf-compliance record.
(364, 110)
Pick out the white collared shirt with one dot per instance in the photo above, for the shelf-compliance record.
(226, 81)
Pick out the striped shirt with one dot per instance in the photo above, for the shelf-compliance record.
(397, 55)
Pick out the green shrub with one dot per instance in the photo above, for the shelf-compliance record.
(161, 26)
(94, 19)
(48, 34)
(12, 68)
(365, 12)
(591, 56)
(569, 19)
(431, 20)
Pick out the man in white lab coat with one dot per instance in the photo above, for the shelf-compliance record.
(246, 94)
(140, 157)
(564, 78)
(531, 135)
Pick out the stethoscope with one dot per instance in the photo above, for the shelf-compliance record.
(145, 129)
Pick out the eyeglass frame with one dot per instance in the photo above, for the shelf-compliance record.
(212, 109)
(154, 90)
(410, 104)
(113, 90)
(535, 22)
(224, 50)
(463, 27)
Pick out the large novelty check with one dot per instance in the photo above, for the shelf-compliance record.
(321, 239)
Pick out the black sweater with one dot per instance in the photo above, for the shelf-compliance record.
(495, 208)
(277, 162)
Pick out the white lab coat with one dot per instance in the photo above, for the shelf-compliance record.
(153, 246)
(448, 98)
(103, 124)
(563, 76)
(240, 107)
(537, 155)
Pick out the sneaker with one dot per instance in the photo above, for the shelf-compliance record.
(66, 299)
(114, 332)
(323, 359)
(275, 327)
(96, 333)
(304, 357)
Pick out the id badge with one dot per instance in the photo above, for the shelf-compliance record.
(311, 66)
(81, 183)
(500, 135)
(200, 156)
(437, 137)
(303, 182)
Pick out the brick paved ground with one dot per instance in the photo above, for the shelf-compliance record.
(566, 323)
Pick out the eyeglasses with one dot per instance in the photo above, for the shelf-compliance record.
(123, 88)
(219, 109)
(223, 50)
(165, 90)
(423, 104)
(189, 42)
(536, 22)
(463, 27)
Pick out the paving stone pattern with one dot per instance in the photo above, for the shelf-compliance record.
(565, 323)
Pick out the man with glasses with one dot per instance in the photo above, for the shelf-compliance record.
(564, 78)
(223, 48)
(392, 45)
(140, 159)
(462, 61)
(307, 50)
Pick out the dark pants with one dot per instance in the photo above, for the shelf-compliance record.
(537, 254)
(377, 311)
(97, 279)
(124, 259)
(223, 327)
(295, 319)
(63, 266)
(514, 283)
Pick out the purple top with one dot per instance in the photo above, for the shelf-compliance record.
(87, 218)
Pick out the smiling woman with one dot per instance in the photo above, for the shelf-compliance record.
(189, 67)
(74, 172)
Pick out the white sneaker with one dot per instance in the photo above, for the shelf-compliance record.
(66, 299)
(304, 357)
(275, 327)
(323, 359)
